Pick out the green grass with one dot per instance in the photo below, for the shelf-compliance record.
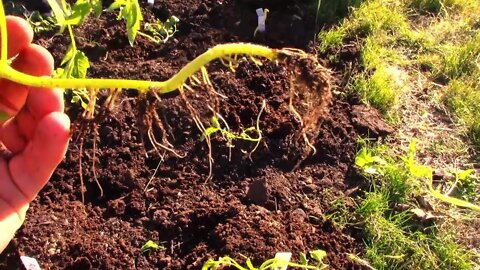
(330, 11)
(391, 46)
(375, 23)
(463, 98)
(398, 41)
(462, 60)
(395, 239)
(381, 89)
(370, 17)
(437, 6)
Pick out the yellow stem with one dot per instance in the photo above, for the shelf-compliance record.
(3, 34)
(170, 85)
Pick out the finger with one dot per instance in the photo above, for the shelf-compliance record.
(18, 131)
(32, 168)
(20, 35)
(11, 220)
(33, 60)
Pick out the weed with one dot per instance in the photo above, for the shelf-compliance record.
(465, 185)
(375, 53)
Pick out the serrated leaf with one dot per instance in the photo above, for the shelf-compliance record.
(79, 12)
(81, 65)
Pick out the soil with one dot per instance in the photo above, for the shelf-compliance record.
(254, 205)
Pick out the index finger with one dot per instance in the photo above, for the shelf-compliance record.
(19, 34)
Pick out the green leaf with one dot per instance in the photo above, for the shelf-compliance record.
(210, 131)
(215, 122)
(421, 171)
(79, 12)
(303, 258)
(58, 73)
(363, 158)
(458, 202)
(149, 245)
(132, 14)
(117, 5)
(97, 7)
(464, 174)
(81, 65)
(134, 18)
(171, 22)
(318, 255)
(68, 55)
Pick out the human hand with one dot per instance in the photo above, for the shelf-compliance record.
(35, 136)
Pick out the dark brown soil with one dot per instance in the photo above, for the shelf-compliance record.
(251, 207)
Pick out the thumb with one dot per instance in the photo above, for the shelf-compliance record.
(32, 168)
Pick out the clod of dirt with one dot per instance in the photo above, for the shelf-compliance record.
(368, 121)
(258, 192)
(299, 215)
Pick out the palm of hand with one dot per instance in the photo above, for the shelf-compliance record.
(35, 137)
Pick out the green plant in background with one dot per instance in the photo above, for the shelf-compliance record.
(161, 32)
(317, 256)
(129, 10)
(40, 23)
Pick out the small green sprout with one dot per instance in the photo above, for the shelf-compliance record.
(161, 32)
(230, 136)
(151, 245)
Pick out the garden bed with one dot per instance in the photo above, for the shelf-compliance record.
(252, 206)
